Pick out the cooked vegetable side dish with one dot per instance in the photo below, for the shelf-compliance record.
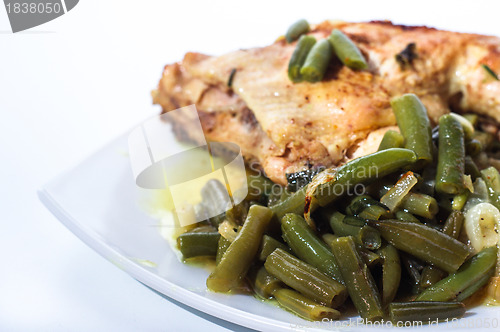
(378, 155)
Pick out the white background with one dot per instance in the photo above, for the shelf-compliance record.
(73, 84)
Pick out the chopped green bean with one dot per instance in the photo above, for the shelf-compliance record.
(391, 272)
(317, 61)
(367, 208)
(421, 205)
(265, 284)
(222, 246)
(423, 242)
(413, 122)
(473, 147)
(358, 279)
(467, 126)
(299, 56)
(296, 30)
(369, 257)
(340, 228)
(307, 246)
(268, 245)
(471, 168)
(391, 139)
(194, 244)
(291, 204)
(474, 273)
(451, 158)
(453, 225)
(305, 278)
(370, 238)
(414, 269)
(407, 216)
(362, 171)
(304, 307)
(430, 275)
(235, 262)
(425, 311)
(347, 51)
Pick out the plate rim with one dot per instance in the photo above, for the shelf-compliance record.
(143, 275)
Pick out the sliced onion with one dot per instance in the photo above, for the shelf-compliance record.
(394, 197)
(228, 230)
(482, 225)
(326, 176)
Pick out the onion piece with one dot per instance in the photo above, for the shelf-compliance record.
(326, 176)
(394, 197)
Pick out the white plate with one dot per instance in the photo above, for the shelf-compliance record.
(100, 203)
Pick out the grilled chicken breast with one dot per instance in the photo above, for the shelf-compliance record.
(287, 127)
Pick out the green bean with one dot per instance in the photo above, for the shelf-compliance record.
(291, 204)
(296, 30)
(299, 56)
(365, 236)
(451, 158)
(472, 274)
(307, 246)
(340, 228)
(362, 171)
(459, 201)
(467, 126)
(265, 284)
(268, 245)
(391, 139)
(422, 205)
(471, 168)
(317, 61)
(428, 182)
(482, 281)
(473, 147)
(425, 311)
(194, 244)
(235, 262)
(453, 225)
(367, 208)
(413, 122)
(414, 269)
(222, 246)
(391, 273)
(407, 216)
(423, 242)
(491, 178)
(370, 237)
(430, 275)
(328, 237)
(358, 279)
(304, 307)
(347, 51)
(305, 278)
(371, 259)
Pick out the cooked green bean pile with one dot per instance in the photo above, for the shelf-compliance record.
(418, 239)
(310, 60)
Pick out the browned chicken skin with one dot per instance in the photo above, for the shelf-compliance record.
(287, 127)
